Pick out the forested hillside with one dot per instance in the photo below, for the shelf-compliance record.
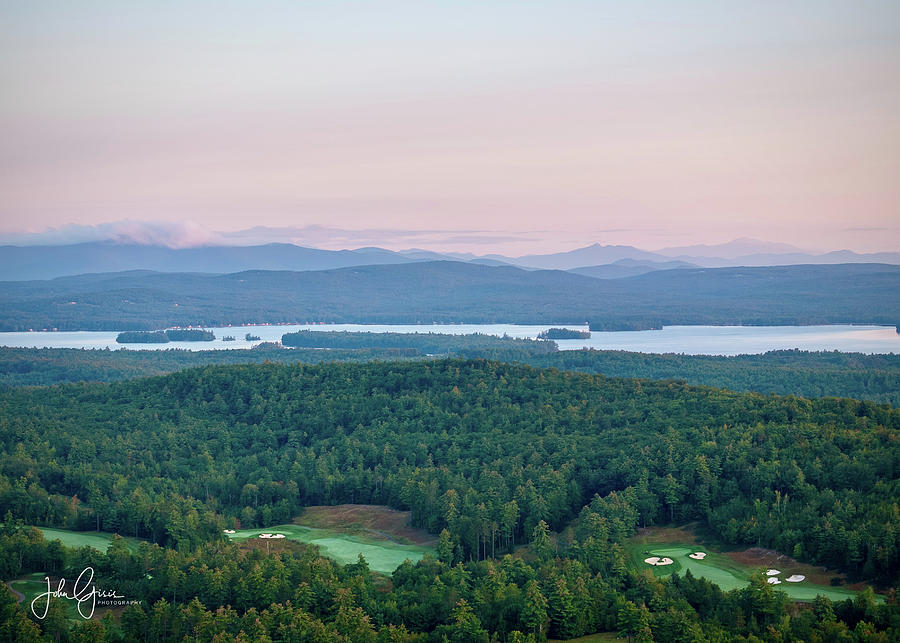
(821, 374)
(407, 435)
(48, 366)
(488, 455)
(446, 291)
(790, 372)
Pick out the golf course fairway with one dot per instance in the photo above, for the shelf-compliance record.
(99, 540)
(381, 555)
(724, 572)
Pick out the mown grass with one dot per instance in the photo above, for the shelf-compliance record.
(33, 585)
(721, 570)
(99, 540)
(381, 556)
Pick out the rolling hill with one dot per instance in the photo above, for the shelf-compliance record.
(446, 291)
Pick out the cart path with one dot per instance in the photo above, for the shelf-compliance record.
(19, 595)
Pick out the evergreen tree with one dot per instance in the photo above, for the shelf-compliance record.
(534, 611)
(541, 544)
(562, 611)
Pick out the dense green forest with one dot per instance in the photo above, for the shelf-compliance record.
(446, 291)
(808, 374)
(786, 372)
(488, 455)
(48, 366)
(425, 343)
(219, 592)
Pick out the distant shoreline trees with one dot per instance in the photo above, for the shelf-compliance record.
(564, 333)
(165, 336)
(142, 337)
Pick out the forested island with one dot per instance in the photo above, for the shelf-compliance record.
(189, 335)
(558, 468)
(564, 333)
(165, 336)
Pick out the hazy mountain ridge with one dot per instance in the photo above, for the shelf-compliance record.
(446, 291)
(48, 262)
(741, 247)
(597, 254)
(629, 268)
(21, 263)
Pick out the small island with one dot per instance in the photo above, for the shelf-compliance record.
(165, 336)
(564, 333)
(251, 338)
(228, 338)
(190, 335)
(266, 345)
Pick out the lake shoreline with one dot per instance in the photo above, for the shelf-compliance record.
(869, 339)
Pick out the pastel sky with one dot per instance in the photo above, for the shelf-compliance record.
(472, 126)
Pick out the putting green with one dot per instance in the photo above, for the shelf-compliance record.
(724, 572)
(707, 568)
(382, 556)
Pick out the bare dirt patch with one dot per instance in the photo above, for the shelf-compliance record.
(375, 521)
(656, 535)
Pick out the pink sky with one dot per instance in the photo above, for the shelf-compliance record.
(508, 128)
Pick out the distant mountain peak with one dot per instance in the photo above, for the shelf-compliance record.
(739, 247)
(592, 255)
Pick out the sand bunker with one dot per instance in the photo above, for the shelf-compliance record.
(697, 555)
(773, 581)
(229, 531)
(271, 535)
(277, 535)
(772, 572)
(657, 561)
(796, 578)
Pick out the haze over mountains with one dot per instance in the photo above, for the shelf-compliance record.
(19, 263)
(110, 285)
(457, 292)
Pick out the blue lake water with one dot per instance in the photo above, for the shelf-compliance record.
(694, 340)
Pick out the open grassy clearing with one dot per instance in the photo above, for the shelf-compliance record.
(381, 555)
(724, 569)
(99, 540)
(373, 520)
